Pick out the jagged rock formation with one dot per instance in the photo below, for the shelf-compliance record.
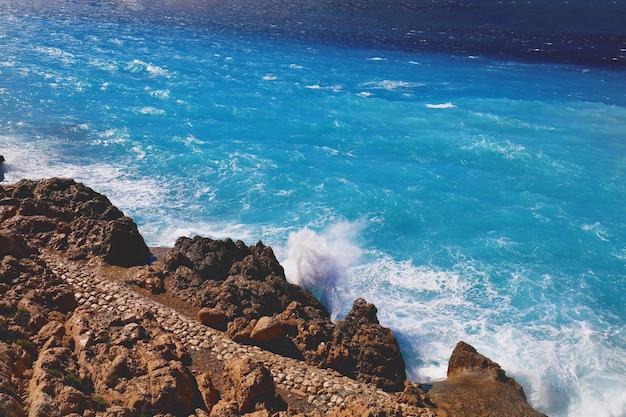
(477, 387)
(244, 290)
(363, 349)
(64, 215)
(76, 338)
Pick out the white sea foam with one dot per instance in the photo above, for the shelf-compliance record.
(447, 105)
(104, 65)
(162, 94)
(319, 261)
(336, 88)
(165, 232)
(56, 53)
(392, 85)
(151, 111)
(559, 366)
(138, 66)
(597, 229)
(30, 161)
(505, 148)
(570, 370)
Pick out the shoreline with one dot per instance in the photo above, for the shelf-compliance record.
(101, 275)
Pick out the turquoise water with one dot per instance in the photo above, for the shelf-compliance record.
(469, 196)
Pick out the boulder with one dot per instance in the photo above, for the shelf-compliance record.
(212, 317)
(123, 245)
(71, 400)
(207, 390)
(14, 245)
(148, 277)
(210, 259)
(267, 328)
(252, 386)
(65, 215)
(364, 350)
(171, 387)
(465, 360)
(225, 408)
(309, 329)
(479, 387)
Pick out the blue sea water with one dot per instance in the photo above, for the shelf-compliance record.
(471, 190)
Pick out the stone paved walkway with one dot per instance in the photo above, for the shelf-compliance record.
(325, 389)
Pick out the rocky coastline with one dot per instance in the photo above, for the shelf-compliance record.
(92, 323)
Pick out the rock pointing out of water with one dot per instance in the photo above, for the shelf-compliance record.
(478, 387)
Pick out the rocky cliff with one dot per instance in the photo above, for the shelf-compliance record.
(212, 328)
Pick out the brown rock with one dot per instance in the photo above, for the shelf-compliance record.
(478, 387)
(149, 278)
(123, 245)
(49, 373)
(246, 284)
(52, 329)
(239, 329)
(414, 394)
(368, 407)
(13, 245)
(252, 386)
(70, 401)
(364, 350)
(210, 259)
(171, 387)
(171, 349)
(309, 329)
(119, 368)
(10, 405)
(207, 390)
(119, 411)
(267, 328)
(9, 398)
(212, 317)
(465, 360)
(64, 215)
(131, 334)
(225, 409)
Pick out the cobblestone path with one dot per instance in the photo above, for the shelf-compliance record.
(325, 389)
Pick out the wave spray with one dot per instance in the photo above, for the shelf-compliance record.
(318, 262)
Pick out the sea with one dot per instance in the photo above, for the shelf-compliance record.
(460, 164)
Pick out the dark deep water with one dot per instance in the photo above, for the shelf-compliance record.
(571, 31)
